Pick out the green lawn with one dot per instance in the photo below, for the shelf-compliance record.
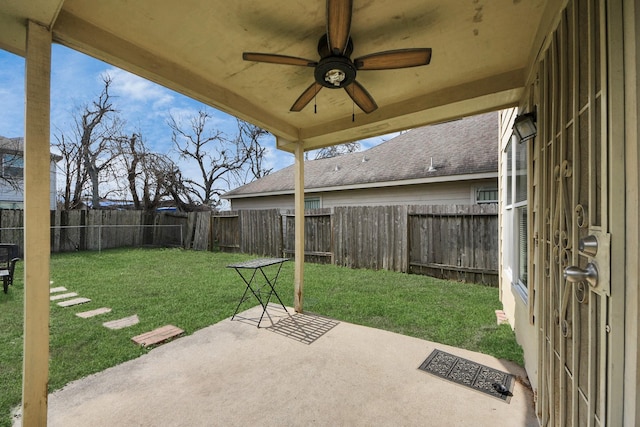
(193, 290)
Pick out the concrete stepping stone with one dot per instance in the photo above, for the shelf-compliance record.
(122, 323)
(157, 336)
(63, 296)
(58, 289)
(91, 313)
(75, 301)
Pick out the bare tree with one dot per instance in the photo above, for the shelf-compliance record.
(75, 176)
(214, 157)
(97, 131)
(337, 150)
(179, 191)
(147, 172)
(88, 152)
(249, 141)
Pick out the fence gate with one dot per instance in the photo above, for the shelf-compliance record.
(570, 220)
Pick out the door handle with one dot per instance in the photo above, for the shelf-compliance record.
(576, 274)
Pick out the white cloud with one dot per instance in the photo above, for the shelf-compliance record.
(133, 88)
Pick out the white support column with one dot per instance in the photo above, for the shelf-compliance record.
(36, 226)
(299, 227)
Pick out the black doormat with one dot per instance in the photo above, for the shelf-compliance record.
(470, 374)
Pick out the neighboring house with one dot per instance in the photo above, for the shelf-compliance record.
(11, 170)
(450, 163)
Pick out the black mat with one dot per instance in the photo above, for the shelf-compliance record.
(470, 374)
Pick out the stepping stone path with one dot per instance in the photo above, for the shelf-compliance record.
(75, 301)
(157, 336)
(68, 302)
(122, 323)
(63, 296)
(91, 313)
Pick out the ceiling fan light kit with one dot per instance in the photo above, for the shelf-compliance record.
(335, 72)
(335, 69)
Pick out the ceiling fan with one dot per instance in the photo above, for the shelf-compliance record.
(335, 69)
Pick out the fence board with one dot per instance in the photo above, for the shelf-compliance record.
(201, 221)
(371, 237)
(460, 242)
(318, 245)
(261, 232)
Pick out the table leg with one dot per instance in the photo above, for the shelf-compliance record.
(272, 285)
(247, 289)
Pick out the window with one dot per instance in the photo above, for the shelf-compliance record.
(312, 203)
(522, 247)
(516, 215)
(12, 165)
(487, 195)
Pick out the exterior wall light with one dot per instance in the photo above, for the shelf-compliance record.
(525, 126)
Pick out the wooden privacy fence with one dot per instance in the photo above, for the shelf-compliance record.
(103, 229)
(251, 231)
(457, 242)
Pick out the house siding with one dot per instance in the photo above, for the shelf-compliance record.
(445, 193)
(12, 199)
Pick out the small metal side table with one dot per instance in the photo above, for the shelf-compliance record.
(254, 273)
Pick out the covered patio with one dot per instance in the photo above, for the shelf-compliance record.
(317, 371)
(571, 64)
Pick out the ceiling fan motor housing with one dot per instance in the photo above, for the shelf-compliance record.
(335, 72)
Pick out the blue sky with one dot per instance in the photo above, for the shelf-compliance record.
(77, 79)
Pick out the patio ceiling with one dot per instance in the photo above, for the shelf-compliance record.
(481, 51)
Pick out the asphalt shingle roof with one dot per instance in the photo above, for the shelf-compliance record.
(460, 147)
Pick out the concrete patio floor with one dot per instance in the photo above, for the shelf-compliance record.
(314, 371)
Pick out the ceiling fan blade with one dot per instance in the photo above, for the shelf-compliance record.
(361, 97)
(277, 59)
(306, 97)
(391, 59)
(338, 24)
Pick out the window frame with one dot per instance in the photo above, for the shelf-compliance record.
(312, 199)
(516, 171)
(480, 190)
